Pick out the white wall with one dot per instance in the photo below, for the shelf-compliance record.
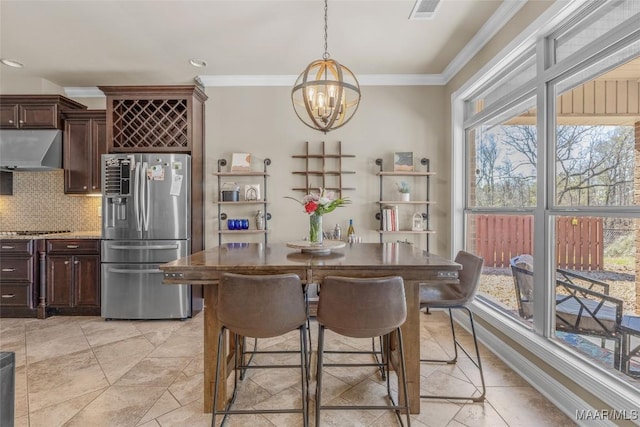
(261, 121)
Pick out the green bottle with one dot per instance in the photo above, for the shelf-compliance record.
(350, 232)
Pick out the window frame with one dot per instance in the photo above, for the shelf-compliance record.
(539, 341)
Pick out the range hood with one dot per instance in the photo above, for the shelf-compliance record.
(30, 150)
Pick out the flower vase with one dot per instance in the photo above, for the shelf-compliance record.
(405, 197)
(315, 229)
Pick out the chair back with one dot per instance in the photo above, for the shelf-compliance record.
(362, 307)
(522, 271)
(261, 306)
(469, 276)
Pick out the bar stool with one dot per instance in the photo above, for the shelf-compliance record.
(362, 308)
(261, 306)
(378, 355)
(458, 296)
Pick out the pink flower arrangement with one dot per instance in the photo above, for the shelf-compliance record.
(321, 203)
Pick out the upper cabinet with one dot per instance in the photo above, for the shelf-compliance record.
(85, 141)
(34, 111)
(154, 118)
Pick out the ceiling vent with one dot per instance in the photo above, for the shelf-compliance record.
(424, 9)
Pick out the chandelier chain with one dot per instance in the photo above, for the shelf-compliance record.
(326, 52)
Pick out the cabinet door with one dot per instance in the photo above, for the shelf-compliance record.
(98, 148)
(38, 116)
(77, 156)
(9, 116)
(59, 278)
(86, 280)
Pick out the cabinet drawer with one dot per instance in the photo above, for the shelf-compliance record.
(82, 246)
(16, 269)
(14, 295)
(17, 247)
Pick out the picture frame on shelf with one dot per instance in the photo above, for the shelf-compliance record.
(252, 192)
(241, 162)
(416, 223)
(403, 161)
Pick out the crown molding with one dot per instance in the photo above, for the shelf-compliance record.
(498, 20)
(363, 80)
(83, 92)
(287, 81)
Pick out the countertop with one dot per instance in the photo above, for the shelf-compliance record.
(58, 236)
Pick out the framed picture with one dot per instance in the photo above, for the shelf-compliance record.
(403, 161)
(252, 192)
(416, 223)
(240, 162)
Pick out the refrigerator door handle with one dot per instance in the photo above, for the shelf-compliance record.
(136, 196)
(146, 194)
(176, 246)
(135, 270)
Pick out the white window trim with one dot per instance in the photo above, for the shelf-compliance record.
(606, 387)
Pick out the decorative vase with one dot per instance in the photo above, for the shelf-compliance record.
(315, 229)
(405, 197)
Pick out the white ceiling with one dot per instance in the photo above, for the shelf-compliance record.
(87, 43)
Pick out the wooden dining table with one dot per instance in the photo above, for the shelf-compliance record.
(414, 265)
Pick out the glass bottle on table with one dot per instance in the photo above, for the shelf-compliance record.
(351, 232)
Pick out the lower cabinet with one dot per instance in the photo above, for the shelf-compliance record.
(18, 278)
(73, 277)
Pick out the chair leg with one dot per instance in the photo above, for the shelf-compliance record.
(476, 362)
(319, 372)
(239, 369)
(304, 375)
(404, 379)
(375, 353)
(455, 347)
(214, 409)
(395, 407)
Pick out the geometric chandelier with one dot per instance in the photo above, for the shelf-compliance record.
(326, 94)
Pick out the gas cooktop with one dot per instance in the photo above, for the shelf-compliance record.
(31, 233)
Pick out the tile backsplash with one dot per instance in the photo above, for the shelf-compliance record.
(39, 203)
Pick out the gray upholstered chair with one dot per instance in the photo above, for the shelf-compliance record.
(459, 296)
(261, 306)
(362, 308)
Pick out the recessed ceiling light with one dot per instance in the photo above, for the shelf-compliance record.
(12, 63)
(198, 63)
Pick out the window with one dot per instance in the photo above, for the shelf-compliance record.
(552, 189)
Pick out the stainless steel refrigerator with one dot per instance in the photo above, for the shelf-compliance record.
(146, 221)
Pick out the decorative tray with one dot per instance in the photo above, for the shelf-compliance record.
(326, 247)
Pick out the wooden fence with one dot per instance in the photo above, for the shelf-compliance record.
(579, 241)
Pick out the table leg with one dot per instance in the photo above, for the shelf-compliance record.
(211, 330)
(411, 340)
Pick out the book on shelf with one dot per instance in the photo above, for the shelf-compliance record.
(390, 218)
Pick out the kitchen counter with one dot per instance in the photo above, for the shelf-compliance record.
(74, 235)
(70, 235)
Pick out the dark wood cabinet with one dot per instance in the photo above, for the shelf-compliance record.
(154, 118)
(85, 140)
(18, 278)
(34, 111)
(73, 277)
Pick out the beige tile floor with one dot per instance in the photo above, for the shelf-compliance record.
(83, 371)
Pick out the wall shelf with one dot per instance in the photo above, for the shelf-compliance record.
(323, 170)
(421, 206)
(262, 202)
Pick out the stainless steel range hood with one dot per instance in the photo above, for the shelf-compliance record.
(30, 150)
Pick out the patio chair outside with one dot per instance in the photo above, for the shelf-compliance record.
(580, 308)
